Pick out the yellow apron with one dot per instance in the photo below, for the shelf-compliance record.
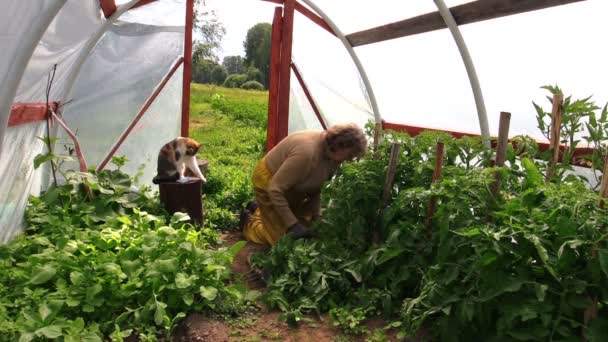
(265, 226)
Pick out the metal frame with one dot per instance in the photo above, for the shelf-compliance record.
(470, 67)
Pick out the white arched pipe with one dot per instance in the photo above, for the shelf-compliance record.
(353, 55)
(468, 63)
(21, 58)
(88, 47)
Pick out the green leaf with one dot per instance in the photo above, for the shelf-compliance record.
(91, 337)
(182, 281)
(355, 274)
(44, 311)
(43, 274)
(26, 337)
(51, 331)
(234, 249)
(208, 292)
(188, 298)
(544, 256)
(541, 291)
(602, 255)
(159, 314)
(533, 177)
(76, 278)
(42, 158)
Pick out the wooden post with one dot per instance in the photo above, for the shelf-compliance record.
(436, 175)
(501, 148)
(377, 131)
(273, 80)
(388, 185)
(183, 197)
(285, 68)
(390, 173)
(556, 123)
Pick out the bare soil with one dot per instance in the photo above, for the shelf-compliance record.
(265, 325)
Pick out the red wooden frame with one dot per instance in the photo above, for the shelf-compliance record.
(109, 6)
(22, 113)
(187, 78)
(141, 113)
(285, 69)
(308, 95)
(273, 79)
(543, 146)
(309, 14)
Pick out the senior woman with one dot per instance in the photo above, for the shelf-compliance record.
(287, 181)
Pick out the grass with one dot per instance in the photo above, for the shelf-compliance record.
(231, 125)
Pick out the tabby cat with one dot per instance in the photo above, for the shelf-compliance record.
(173, 159)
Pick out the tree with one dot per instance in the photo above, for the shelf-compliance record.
(234, 65)
(257, 48)
(201, 71)
(253, 74)
(218, 74)
(211, 32)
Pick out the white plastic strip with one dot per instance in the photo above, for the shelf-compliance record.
(22, 57)
(88, 47)
(354, 57)
(468, 63)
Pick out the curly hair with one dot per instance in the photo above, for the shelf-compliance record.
(346, 136)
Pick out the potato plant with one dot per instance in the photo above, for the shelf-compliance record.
(109, 266)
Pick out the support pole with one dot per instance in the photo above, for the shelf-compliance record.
(468, 63)
(556, 123)
(436, 175)
(273, 80)
(501, 149)
(285, 69)
(187, 68)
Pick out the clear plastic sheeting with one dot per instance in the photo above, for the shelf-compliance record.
(119, 75)
(160, 124)
(301, 114)
(131, 60)
(158, 13)
(19, 178)
(330, 76)
(60, 45)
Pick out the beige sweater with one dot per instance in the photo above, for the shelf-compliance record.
(299, 165)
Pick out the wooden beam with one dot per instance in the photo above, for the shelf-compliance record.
(187, 75)
(273, 80)
(285, 68)
(305, 11)
(468, 13)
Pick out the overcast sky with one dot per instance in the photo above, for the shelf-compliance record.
(421, 79)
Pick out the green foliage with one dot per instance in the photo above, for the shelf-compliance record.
(230, 123)
(109, 264)
(252, 85)
(522, 265)
(235, 81)
(210, 30)
(257, 46)
(234, 65)
(201, 71)
(218, 74)
(254, 74)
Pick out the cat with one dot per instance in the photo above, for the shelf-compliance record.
(173, 159)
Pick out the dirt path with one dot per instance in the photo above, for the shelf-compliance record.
(264, 325)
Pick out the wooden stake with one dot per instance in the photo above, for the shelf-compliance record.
(556, 123)
(388, 185)
(390, 173)
(604, 183)
(377, 131)
(501, 148)
(436, 175)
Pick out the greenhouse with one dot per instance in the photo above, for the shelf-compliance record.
(451, 187)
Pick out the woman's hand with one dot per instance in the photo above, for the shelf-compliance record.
(299, 231)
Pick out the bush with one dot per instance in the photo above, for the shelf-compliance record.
(254, 74)
(218, 74)
(235, 81)
(252, 85)
(201, 71)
